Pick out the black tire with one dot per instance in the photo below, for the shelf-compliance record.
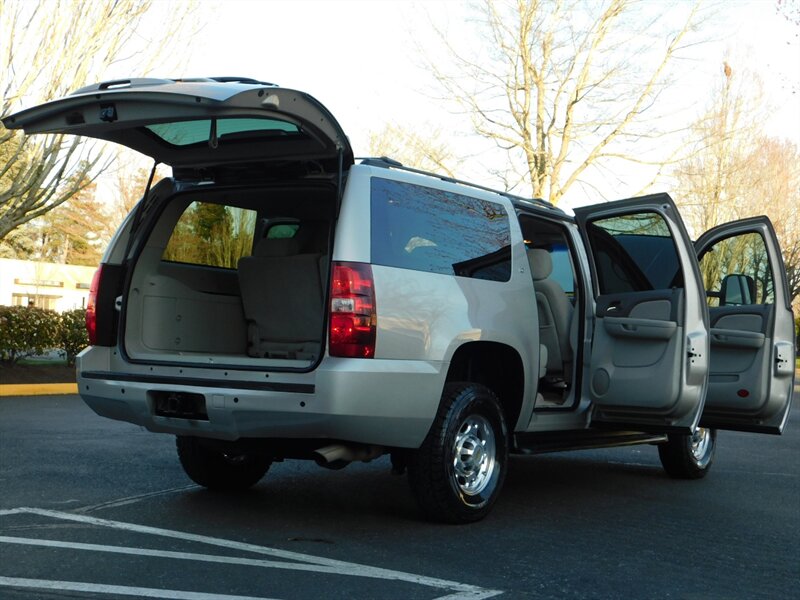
(216, 467)
(689, 456)
(447, 480)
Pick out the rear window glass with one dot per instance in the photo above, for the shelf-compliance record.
(634, 253)
(425, 229)
(213, 235)
(186, 133)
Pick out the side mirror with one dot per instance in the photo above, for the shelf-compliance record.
(737, 289)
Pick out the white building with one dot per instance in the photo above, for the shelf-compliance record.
(45, 285)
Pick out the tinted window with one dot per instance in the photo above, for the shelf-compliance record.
(634, 253)
(426, 229)
(186, 133)
(551, 237)
(736, 271)
(562, 268)
(212, 234)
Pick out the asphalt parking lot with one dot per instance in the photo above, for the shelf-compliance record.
(91, 508)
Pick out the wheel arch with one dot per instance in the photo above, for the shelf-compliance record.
(496, 365)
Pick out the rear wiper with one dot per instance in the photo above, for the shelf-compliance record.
(213, 140)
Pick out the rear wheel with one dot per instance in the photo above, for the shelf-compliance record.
(689, 456)
(457, 473)
(219, 466)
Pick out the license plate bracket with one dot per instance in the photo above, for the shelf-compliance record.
(179, 405)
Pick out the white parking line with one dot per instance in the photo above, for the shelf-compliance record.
(133, 499)
(119, 590)
(212, 558)
(458, 591)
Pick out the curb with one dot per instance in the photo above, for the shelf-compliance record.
(37, 389)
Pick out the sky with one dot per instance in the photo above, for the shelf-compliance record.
(364, 61)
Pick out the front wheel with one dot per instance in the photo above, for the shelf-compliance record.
(457, 473)
(689, 456)
(220, 466)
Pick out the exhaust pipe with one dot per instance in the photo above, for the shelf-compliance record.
(337, 456)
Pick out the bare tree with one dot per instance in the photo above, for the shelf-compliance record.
(566, 85)
(50, 47)
(737, 170)
(421, 151)
(720, 147)
(129, 183)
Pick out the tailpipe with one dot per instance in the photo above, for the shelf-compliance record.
(338, 456)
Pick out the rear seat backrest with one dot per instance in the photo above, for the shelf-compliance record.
(282, 298)
(555, 312)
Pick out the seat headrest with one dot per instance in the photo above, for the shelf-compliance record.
(541, 263)
(272, 247)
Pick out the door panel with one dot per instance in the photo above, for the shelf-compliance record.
(648, 367)
(752, 330)
(629, 350)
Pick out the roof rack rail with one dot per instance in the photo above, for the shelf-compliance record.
(239, 80)
(385, 162)
(145, 81)
(121, 84)
(382, 161)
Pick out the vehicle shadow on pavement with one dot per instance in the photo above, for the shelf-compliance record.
(295, 493)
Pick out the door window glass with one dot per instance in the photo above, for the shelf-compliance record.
(214, 235)
(736, 271)
(634, 253)
(425, 229)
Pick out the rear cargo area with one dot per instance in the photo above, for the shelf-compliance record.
(232, 276)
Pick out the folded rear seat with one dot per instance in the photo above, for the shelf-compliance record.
(283, 300)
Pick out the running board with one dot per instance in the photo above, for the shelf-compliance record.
(539, 443)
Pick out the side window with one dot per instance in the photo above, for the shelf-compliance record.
(634, 253)
(551, 237)
(736, 271)
(213, 235)
(426, 229)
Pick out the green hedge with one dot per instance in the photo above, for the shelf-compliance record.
(73, 333)
(28, 331)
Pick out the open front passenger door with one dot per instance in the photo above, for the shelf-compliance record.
(752, 328)
(649, 363)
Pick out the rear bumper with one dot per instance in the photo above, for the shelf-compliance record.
(382, 402)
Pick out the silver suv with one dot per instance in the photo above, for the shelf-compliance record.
(275, 299)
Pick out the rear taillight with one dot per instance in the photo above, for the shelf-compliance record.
(91, 306)
(353, 318)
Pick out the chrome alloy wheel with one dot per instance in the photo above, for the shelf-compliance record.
(701, 444)
(474, 455)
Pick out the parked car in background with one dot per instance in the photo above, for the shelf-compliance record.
(277, 299)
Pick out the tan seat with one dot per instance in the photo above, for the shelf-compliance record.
(282, 299)
(555, 313)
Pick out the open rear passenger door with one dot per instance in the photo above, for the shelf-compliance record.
(649, 363)
(752, 329)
